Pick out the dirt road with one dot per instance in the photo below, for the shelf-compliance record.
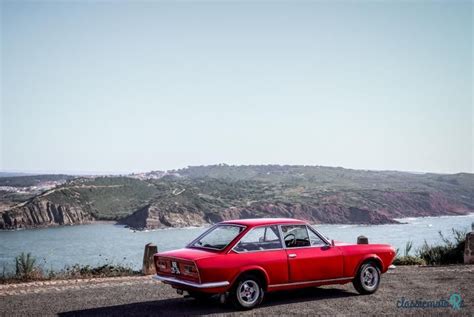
(143, 296)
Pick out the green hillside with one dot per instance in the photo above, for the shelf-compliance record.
(319, 194)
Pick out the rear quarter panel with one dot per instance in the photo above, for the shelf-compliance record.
(227, 267)
(355, 255)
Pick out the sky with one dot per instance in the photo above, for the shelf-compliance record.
(115, 86)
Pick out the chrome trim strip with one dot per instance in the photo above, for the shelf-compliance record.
(254, 251)
(191, 284)
(311, 282)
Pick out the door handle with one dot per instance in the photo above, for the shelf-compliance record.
(292, 255)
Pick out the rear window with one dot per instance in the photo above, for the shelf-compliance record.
(218, 237)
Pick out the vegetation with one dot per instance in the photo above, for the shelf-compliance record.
(105, 198)
(27, 269)
(218, 187)
(323, 194)
(87, 271)
(406, 258)
(450, 252)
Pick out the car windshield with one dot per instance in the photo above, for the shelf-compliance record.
(218, 237)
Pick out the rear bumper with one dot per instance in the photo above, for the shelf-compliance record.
(175, 281)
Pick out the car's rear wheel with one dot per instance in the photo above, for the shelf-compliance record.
(248, 292)
(367, 280)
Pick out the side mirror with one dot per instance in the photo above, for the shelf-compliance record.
(332, 243)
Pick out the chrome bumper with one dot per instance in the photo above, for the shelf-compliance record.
(188, 283)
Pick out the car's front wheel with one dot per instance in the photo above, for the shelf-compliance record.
(248, 292)
(367, 280)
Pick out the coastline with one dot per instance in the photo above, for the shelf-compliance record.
(399, 221)
(105, 242)
(471, 214)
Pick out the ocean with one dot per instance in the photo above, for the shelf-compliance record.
(97, 244)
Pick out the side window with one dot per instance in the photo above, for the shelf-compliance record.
(261, 238)
(314, 239)
(295, 236)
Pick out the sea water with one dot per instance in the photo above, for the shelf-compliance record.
(98, 244)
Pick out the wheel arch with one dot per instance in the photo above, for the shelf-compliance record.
(369, 258)
(254, 270)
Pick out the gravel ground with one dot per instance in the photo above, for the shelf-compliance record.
(143, 296)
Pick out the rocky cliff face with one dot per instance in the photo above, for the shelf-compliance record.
(42, 213)
(419, 204)
(313, 214)
(194, 210)
(381, 210)
(206, 195)
(153, 217)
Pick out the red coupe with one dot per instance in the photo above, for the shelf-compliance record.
(242, 259)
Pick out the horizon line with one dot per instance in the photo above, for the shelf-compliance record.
(118, 173)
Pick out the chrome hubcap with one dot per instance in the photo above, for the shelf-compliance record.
(248, 292)
(370, 277)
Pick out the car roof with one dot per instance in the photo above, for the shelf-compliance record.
(263, 221)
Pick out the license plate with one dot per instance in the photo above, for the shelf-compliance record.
(175, 268)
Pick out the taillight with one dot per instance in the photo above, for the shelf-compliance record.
(189, 269)
(176, 267)
(161, 265)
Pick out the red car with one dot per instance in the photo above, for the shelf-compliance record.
(242, 259)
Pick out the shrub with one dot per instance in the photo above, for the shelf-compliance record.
(25, 268)
(408, 247)
(408, 260)
(107, 270)
(450, 252)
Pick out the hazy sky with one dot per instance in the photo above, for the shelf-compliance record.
(114, 86)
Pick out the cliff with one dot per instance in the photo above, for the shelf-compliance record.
(42, 213)
(153, 217)
(177, 214)
(198, 196)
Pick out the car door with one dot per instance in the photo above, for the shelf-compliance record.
(310, 258)
(262, 248)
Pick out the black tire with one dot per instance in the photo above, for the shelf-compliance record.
(247, 292)
(367, 280)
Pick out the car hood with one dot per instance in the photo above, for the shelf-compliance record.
(188, 254)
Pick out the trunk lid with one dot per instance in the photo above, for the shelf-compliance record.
(189, 254)
(181, 263)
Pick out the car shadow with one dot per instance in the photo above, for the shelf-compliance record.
(189, 306)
